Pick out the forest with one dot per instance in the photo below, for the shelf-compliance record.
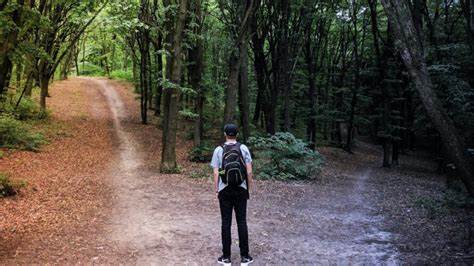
(312, 84)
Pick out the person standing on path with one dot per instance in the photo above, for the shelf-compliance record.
(233, 178)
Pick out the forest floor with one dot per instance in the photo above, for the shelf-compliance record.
(95, 196)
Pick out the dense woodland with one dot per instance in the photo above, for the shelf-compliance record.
(396, 73)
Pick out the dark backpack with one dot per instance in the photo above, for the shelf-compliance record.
(233, 170)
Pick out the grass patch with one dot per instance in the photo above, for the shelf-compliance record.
(8, 187)
(15, 134)
(122, 75)
(88, 69)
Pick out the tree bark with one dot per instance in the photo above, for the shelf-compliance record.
(244, 93)
(195, 69)
(283, 62)
(408, 43)
(7, 45)
(168, 156)
(242, 19)
(355, 88)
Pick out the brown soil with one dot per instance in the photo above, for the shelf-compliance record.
(95, 195)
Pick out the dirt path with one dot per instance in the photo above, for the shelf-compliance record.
(148, 218)
(168, 219)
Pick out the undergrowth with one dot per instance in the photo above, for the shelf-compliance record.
(16, 119)
(8, 187)
(15, 134)
(451, 199)
(284, 157)
(201, 153)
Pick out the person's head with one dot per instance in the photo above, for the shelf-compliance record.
(230, 131)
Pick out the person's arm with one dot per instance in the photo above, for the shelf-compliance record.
(216, 179)
(215, 163)
(249, 176)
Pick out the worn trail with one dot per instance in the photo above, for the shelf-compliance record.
(168, 219)
(153, 219)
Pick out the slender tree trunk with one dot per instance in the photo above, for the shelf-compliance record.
(158, 87)
(244, 93)
(44, 85)
(355, 88)
(408, 43)
(168, 156)
(7, 45)
(195, 69)
(244, 13)
(230, 110)
(260, 66)
(310, 66)
(283, 63)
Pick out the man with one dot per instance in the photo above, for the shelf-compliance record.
(232, 165)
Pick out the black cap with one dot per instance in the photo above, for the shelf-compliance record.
(230, 130)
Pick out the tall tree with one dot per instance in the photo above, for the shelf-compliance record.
(408, 42)
(196, 68)
(241, 12)
(8, 38)
(171, 93)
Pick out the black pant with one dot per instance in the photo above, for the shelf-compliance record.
(234, 198)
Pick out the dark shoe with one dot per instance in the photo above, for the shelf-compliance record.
(224, 260)
(246, 260)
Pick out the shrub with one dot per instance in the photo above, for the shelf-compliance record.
(26, 109)
(201, 153)
(9, 187)
(122, 75)
(284, 157)
(14, 134)
(90, 70)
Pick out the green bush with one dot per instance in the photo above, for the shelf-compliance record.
(90, 70)
(122, 75)
(201, 153)
(8, 187)
(26, 109)
(284, 157)
(14, 134)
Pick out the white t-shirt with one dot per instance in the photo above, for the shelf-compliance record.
(216, 161)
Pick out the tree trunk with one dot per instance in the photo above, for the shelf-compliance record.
(44, 85)
(7, 45)
(283, 62)
(168, 156)
(230, 110)
(260, 66)
(195, 69)
(310, 66)
(409, 44)
(355, 88)
(158, 87)
(244, 93)
(242, 18)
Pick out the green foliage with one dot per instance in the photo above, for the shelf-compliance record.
(200, 172)
(9, 187)
(122, 75)
(453, 198)
(188, 114)
(284, 157)
(15, 134)
(201, 153)
(89, 69)
(27, 108)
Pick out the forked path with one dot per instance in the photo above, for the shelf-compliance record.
(171, 219)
